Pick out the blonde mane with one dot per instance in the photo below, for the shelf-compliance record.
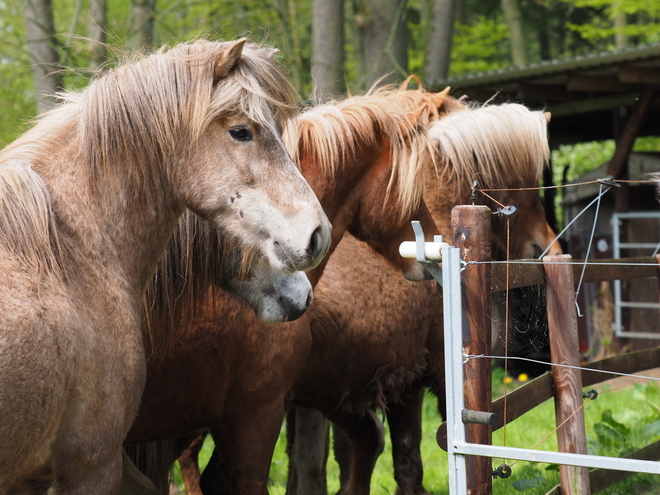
(499, 145)
(332, 134)
(129, 124)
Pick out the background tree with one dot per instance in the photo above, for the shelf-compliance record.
(97, 32)
(438, 49)
(385, 39)
(514, 19)
(328, 48)
(40, 35)
(141, 27)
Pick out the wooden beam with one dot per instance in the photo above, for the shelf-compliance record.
(591, 104)
(565, 351)
(530, 272)
(633, 125)
(471, 233)
(545, 92)
(639, 75)
(597, 84)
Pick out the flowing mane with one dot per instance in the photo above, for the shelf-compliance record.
(499, 146)
(333, 132)
(138, 116)
(136, 113)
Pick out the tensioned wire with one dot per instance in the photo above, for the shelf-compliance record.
(607, 182)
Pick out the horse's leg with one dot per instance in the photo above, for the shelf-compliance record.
(341, 447)
(133, 482)
(189, 464)
(310, 450)
(366, 434)
(102, 476)
(244, 445)
(292, 472)
(405, 421)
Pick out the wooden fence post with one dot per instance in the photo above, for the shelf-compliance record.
(564, 349)
(471, 233)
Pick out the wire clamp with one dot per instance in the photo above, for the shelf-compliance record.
(506, 211)
(503, 471)
(590, 394)
(609, 181)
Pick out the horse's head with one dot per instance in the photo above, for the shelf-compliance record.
(200, 123)
(504, 148)
(365, 159)
(238, 175)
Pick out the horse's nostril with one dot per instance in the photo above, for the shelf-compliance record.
(310, 298)
(315, 243)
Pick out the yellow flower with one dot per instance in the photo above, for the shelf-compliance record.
(507, 380)
(522, 377)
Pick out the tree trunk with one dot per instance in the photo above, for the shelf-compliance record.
(438, 49)
(328, 48)
(620, 38)
(513, 16)
(40, 33)
(385, 36)
(96, 32)
(141, 23)
(290, 40)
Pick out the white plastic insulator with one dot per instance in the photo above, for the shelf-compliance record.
(432, 250)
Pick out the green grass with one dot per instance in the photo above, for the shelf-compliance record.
(613, 427)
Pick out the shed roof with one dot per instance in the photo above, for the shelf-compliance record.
(584, 93)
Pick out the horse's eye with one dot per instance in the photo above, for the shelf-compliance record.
(241, 134)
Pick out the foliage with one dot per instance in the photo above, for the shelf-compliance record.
(642, 16)
(480, 46)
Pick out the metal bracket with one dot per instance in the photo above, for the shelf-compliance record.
(426, 253)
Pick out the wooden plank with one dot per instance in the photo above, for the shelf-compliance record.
(565, 350)
(597, 84)
(540, 389)
(631, 131)
(471, 233)
(591, 104)
(643, 75)
(530, 272)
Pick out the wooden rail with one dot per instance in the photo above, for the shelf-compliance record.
(537, 391)
(530, 272)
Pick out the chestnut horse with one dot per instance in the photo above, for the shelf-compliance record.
(88, 199)
(365, 158)
(377, 339)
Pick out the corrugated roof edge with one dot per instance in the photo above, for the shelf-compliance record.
(549, 67)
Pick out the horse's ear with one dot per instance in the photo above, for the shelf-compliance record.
(439, 98)
(414, 116)
(227, 59)
(406, 83)
(548, 116)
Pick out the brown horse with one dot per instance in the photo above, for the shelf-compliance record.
(88, 199)
(377, 339)
(365, 158)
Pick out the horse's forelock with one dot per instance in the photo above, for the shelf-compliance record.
(331, 134)
(493, 144)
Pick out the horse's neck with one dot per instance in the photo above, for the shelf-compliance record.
(119, 229)
(338, 194)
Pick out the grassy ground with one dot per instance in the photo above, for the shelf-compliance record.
(618, 421)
